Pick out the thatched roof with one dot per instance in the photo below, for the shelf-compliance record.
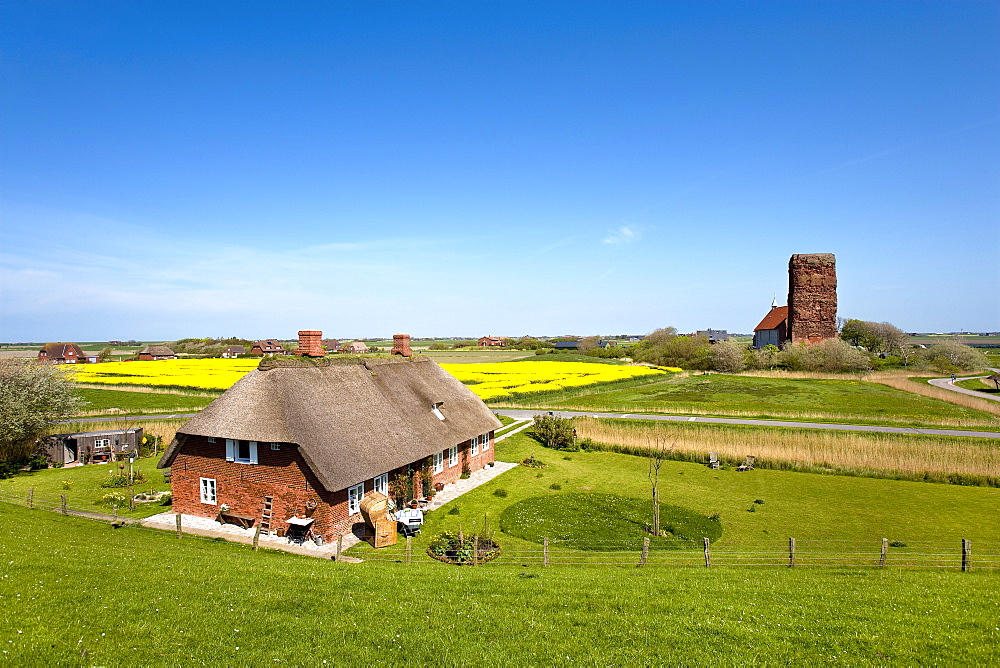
(157, 350)
(351, 421)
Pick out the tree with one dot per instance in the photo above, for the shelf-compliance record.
(553, 432)
(588, 343)
(729, 356)
(105, 354)
(32, 396)
(658, 453)
(953, 356)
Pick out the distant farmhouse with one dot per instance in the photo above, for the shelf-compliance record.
(492, 341)
(61, 353)
(811, 314)
(300, 437)
(356, 347)
(267, 347)
(156, 352)
(232, 352)
(713, 335)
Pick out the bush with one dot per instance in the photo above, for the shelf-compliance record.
(121, 479)
(553, 432)
(114, 500)
(455, 511)
(500, 492)
(556, 486)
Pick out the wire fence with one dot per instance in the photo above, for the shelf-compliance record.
(953, 554)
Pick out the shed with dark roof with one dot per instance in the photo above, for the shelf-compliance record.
(319, 435)
(773, 329)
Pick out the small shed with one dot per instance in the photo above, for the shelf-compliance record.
(90, 447)
(155, 352)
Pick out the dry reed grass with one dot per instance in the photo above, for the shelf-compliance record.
(149, 390)
(913, 457)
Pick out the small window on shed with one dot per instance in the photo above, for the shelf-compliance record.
(436, 409)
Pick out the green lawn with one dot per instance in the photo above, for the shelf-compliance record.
(85, 487)
(807, 506)
(780, 398)
(140, 403)
(979, 385)
(74, 592)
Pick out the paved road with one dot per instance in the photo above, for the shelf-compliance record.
(522, 414)
(946, 384)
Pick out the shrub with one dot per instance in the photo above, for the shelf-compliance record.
(66, 484)
(167, 500)
(455, 511)
(500, 492)
(533, 463)
(553, 432)
(556, 486)
(114, 500)
(463, 550)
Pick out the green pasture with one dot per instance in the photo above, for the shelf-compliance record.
(478, 356)
(84, 489)
(140, 403)
(979, 385)
(806, 506)
(76, 592)
(716, 394)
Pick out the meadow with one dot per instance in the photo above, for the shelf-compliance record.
(102, 401)
(777, 397)
(75, 592)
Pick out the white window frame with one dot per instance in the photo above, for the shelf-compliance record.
(233, 451)
(354, 496)
(276, 446)
(453, 455)
(485, 441)
(102, 443)
(208, 490)
(211, 439)
(380, 484)
(436, 409)
(474, 446)
(439, 461)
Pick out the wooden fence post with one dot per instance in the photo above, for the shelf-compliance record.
(179, 532)
(791, 552)
(645, 551)
(31, 498)
(475, 550)
(884, 553)
(340, 546)
(708, 554)
(62, 501)
(966, 554)
(114, 514)
(545, 551)
(256, 538)
(409, 548)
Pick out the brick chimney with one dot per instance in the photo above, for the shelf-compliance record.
(310, 343)
(401, 345)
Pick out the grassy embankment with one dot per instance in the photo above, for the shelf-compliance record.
(782, 398)
(979, 385)
(132, 401)
(75, 592)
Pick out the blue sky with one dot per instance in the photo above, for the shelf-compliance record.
(365, 168)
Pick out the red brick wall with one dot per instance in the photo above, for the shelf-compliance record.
(282, 474)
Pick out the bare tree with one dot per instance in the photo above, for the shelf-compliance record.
(658, 453)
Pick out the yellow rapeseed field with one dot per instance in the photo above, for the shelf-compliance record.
(487, 380)
(203, 374)
(497, 379)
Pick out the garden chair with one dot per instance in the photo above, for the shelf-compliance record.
(713, 460)
(747, 465)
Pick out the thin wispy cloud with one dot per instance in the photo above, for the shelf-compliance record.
(625, 234)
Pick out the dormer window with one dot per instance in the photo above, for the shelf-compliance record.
(436, 409)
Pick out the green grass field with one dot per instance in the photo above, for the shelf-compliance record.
(139, 403)
(778, 398)
(807, 506)
(979, 385)
(85, 487)
(74, 592)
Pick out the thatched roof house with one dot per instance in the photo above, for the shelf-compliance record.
(156, 352)
(332, 426)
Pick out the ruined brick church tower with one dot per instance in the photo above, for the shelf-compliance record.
(812, 297)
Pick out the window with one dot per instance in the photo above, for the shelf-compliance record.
(102, 443)
(211, 439)
(381, 484)
(208, 490)
(244, 452)
(354, 495)
(436, 409)
(453, 455)
(276, 446)
(439, 461)
(485, 441)
(474, 446)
